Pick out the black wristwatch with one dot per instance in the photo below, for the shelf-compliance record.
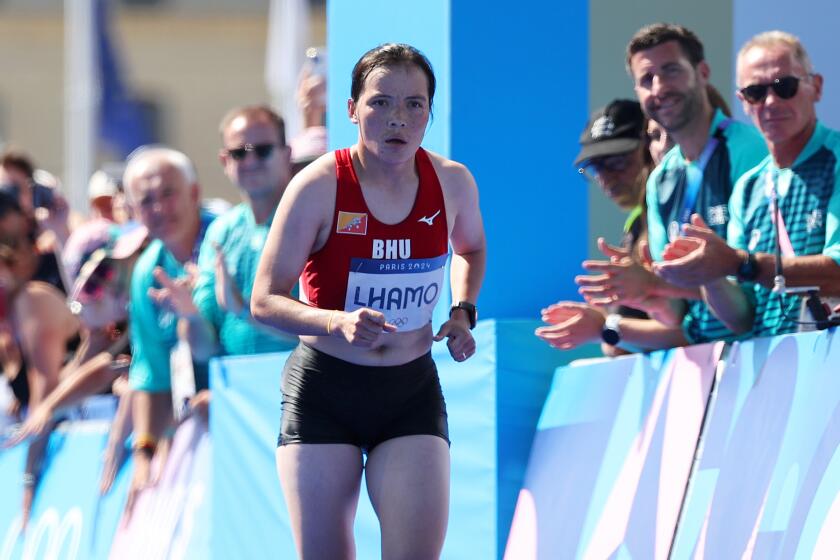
(472, 311)
(611, 334)
(748, 269)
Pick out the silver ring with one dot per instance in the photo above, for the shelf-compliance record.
(464, 355)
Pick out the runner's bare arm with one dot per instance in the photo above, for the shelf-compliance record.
(466, 229)
(300, 227)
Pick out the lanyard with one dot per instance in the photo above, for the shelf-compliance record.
(694, 173)
(781, 230)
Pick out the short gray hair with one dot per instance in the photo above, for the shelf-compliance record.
(140, 158)
(770, 39)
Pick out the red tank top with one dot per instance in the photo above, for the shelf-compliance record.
(396, 269)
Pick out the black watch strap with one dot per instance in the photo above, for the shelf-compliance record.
(472, 311)
(748, 269)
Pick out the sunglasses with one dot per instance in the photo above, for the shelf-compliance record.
(262, 151)
(94, 286)
(614, 163)
(784, 88)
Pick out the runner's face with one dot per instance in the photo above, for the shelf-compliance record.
(392, 112)
(669, 88)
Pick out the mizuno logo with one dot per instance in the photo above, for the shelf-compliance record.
(430, 220)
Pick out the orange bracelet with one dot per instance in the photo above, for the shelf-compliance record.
(329, 323)
(145, 442)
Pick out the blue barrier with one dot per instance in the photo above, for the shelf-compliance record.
(69, 519)
(603, 480)
(608, 474)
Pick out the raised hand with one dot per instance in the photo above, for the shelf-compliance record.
(620, 279)
(175, 294)
(570, 324)
(228, 296)
(698, 258)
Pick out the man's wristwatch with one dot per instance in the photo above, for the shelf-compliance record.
(472, 311)
(748, 269)
(611, 334)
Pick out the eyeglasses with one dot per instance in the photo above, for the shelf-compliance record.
(262, 151)
(784, 87)
(614, 163)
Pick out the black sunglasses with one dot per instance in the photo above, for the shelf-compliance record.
(785, 88)
(262, 151)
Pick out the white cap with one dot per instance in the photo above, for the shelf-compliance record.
(101, 184)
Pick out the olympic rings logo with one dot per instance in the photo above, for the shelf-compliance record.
(400, 322)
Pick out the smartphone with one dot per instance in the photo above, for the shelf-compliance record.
(316, 61)
(42, 197)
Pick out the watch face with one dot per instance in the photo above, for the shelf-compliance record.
(610, 336)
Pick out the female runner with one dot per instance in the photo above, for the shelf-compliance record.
(367, 230)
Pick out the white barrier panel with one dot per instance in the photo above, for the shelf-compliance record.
(172, 519)
(768, 480)
(612, 456)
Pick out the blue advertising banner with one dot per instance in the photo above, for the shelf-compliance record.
(70, 520)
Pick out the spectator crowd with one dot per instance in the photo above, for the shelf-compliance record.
(135, 298)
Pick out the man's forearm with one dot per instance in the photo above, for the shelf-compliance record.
(151, 412)
(647, 334)
(200, 336)
(93, 375)
(661, 288)
(809, 270)
(729, 304)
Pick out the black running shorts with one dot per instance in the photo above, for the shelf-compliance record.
(329, 400)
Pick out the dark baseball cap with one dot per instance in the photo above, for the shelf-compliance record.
(614, 129)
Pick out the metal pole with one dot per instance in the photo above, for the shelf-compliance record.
(80, 100)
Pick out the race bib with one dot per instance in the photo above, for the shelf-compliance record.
(404, 290)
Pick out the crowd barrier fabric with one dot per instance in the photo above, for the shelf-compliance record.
(612, 455)
(767, 483)
(69, 518)
(172, 518)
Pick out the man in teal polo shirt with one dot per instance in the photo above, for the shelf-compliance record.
(162, 187)
(256, 159)
(779, 90)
